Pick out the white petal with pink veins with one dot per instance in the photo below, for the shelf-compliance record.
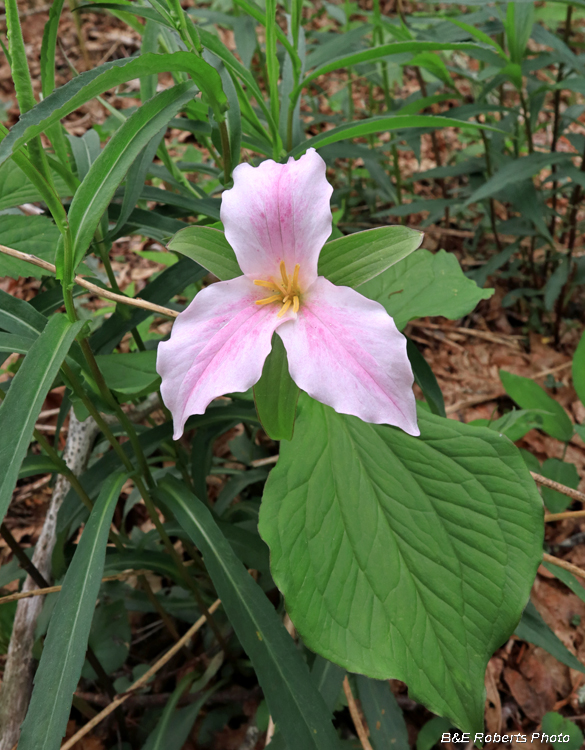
(278, 212)
(218, 345)
(345, 351)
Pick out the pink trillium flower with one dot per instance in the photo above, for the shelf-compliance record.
(343, 349)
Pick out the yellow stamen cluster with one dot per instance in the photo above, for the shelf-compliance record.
(286, 290)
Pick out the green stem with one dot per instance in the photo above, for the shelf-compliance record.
(272, 67)
(23, 84)
(297, 8)
(79, 391)
(397, 175)
(176, 173)
(555, 133)
(186, 576)
(59, 215)
(187, 31)
(225, 149)
(163, 614)
(488, 163)
(527, 123)
(104, 251)
(63, 468)
(120, 413)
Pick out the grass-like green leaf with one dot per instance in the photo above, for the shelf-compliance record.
(359, 257)
(292, 697)
(86, 86)
(383, 714)
(425, 378)
(66, 642)
(373, 125)
(402, 557)
(533, 628)
(379, 52)
(108, 170)
(514, 171)
(20, 317)
(579, 369)
(529, 395)
(25, 397)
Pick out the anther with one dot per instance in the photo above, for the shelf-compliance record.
(267, 284)
(274, 298)
(285, 307)
(283, 273)
(295, 281)
(295, 304)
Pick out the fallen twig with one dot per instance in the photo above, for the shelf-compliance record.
(551, 484)
(511, 341)
(563, 564)
(355, 715)
(53, 589)
(97, 290)
(141, 681)
(550, 517)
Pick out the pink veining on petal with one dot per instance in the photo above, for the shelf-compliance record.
(218, 345)
(277, 212)
(345, 351)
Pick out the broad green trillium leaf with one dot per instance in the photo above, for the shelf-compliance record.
(403, 557)
(425, 284)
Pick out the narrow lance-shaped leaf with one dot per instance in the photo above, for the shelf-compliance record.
(292, 697)
(109, 169)
(379, 53)
(515, 171)
(25, 397)
(579, 369)
(135, 179)
(66, 642)
(383, 714)
(372, 125)
(529, 395)
(425, 378)
(84, 87)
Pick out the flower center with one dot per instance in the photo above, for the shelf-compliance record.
(286, 291)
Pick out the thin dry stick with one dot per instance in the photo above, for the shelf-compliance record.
(141, 681)
(480, 399)
(569, 491)
(550, 517)
(474, 400)
(54, 589)
(563, 564)
(355, 715)
(487, 335)
(93, 288)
